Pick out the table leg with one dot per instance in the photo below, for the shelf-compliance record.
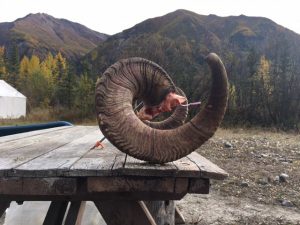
(75, 213)
(125, 212)
(3, 206)
(163, 212)
(56, 213)
(179, 218)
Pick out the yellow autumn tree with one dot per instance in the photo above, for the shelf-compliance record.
(24, 65)
(59, 67)
(263, 89)
(38, 81)
(34, 65)
(23, 74)
(2, 62)
(263, 74)
(232, 97)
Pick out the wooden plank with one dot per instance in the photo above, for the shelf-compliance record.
(31, 139)
(181, 185)
(138, 184)
(17, 156)
(56, 212)
(47, 156)
(186, 168)
(75, 213)
(10, 186)
(15, 145)
(97, 162)
(131, 184)
(124, 212)
(9, 138)
(208, 169)
(199, 186)
(28, 189)
(3, 206)
(60, 159)
(38, 186)
(118, 165)
(136, 167)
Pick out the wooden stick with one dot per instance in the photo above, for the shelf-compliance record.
(75, 213)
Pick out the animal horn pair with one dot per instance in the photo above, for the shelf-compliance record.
(137, 78)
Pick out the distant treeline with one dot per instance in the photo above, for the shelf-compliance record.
(264, 82)
(264, 89)
(48, 83)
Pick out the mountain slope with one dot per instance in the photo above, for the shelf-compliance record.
(261, 58)
(187, 37)
(40, 33)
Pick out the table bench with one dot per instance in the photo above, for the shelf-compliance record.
(58, 165)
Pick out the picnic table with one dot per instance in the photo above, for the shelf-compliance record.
(58, 165)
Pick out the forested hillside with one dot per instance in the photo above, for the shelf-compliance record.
(261, 57)
(37, 56)
(40, 33)
(262, 60)
(51, 83)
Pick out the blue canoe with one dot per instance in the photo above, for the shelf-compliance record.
(9, 130)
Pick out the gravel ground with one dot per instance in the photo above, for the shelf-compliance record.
(264, 180)
(215, 209)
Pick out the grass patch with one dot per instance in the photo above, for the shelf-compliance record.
(44, 115)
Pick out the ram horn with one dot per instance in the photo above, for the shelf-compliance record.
(137, 78)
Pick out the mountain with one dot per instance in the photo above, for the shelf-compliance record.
(186, 37)
(40, 33)
(261, 58)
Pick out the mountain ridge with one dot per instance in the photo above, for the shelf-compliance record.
(198, 34)
(41, 33)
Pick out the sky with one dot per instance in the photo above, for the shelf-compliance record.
(113, 16)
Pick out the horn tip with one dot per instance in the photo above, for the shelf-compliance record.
(212, 57)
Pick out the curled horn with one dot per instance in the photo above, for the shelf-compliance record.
(137, 78)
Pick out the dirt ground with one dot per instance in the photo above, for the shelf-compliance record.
(263, 186)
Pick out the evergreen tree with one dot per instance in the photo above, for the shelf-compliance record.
(84, 100)
(249, 86)
(61, 77)
(13, 64)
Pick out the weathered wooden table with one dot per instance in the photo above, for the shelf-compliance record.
(57, 165)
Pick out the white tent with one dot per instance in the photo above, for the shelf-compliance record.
(12, 102)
